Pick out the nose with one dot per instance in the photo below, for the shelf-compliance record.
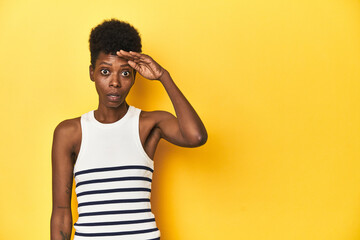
(115, 81)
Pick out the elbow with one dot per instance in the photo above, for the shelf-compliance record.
(199, 140)
(202, 140)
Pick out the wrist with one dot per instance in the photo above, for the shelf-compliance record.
(164, 76)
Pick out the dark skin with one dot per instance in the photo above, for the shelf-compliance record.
(115, 74)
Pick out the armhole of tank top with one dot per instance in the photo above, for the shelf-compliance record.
(137, 136)
(82, 143)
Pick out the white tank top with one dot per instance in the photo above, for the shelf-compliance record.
(113, 176)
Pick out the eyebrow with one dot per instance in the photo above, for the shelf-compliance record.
(106, 63)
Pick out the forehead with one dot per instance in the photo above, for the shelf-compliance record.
(114, 60)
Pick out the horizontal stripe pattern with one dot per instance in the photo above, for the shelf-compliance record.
(115, 212)
(116, 233)
(113, 169)
(115, 202)
(114, 190)
(113, 180)
(116, 223)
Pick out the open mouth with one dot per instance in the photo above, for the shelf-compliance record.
(113, 97)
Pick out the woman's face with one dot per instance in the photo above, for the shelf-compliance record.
(113, 79)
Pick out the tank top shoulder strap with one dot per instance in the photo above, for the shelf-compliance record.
(135, 113)
(84, 122)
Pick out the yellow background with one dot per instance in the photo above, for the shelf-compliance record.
(275, 82)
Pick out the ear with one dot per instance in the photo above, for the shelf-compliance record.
(91, 72)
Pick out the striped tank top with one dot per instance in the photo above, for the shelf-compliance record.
(113, 176)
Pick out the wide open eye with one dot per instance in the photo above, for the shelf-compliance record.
(125, 73)
(104, 72)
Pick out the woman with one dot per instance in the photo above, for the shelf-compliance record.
(110, 150)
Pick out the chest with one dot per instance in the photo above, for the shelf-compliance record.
(148, 134)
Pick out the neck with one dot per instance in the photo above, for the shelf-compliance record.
(106, 114)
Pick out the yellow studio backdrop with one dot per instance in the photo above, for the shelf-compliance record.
(275, 82)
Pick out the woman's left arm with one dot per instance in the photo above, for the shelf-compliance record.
(188, 121)
(186, 129)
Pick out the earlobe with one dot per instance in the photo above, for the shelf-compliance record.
(91, 73)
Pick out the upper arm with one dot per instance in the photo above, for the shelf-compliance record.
(62, 166)
(170, 130)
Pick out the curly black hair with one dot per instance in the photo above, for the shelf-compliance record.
(111, 36)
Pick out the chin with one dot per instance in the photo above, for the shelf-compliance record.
(114, 104)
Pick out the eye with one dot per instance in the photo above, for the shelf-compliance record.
(125, 73)
(104, 72)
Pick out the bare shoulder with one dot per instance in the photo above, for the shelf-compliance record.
(68, 127)
(68, 134)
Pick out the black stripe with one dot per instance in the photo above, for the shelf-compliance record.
(113, 180)
(115, 223)
(114, 190)
(115, 212)
(115, 233)
(113, 169)
(158, 238)
(114, 201)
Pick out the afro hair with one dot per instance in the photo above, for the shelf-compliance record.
(112, 35)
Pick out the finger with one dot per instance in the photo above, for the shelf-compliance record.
(123, 56)
(136, 61)
(126, 57)
(120, 52)
(136, 54)
(123, 53)
(130, 53)
(139, 55)
(134, 65)
(135, 57)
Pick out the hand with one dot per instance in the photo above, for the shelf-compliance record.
(143, 64)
